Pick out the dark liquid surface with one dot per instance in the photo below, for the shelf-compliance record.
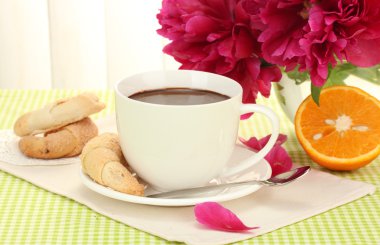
(179, 96)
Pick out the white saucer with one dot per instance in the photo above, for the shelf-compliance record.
(261, 170)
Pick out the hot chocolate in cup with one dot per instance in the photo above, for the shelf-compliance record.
(178, 129)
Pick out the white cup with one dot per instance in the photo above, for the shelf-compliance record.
(181, 146)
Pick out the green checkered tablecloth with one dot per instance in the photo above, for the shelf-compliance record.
(31, 215)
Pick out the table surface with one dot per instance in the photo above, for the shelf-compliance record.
(31, 215)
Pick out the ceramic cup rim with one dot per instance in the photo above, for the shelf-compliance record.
(233, 92)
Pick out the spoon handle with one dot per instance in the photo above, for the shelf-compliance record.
(280, 179)
(204, 189)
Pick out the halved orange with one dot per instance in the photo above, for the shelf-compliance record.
(343, 133)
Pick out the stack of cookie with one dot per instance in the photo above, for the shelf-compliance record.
(63, 129)
(60, 129)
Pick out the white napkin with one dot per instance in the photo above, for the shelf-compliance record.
(10, 153)
(270, 208)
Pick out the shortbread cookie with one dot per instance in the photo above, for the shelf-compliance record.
(58, 114)
(67, 141)
(103, 160)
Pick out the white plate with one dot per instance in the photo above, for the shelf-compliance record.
(261, 170)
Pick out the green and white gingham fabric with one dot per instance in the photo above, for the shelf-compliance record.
(31, 215)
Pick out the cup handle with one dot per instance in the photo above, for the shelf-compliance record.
(246, 164)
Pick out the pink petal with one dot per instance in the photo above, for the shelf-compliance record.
(224, 66)
(246, 116)
(264, 87)
(253, 68)
(257, 145)
(280, 140)
(364, 53)
(200, 25)
(293, 50)
(252, 143)
(225, 47)
(244, 43)
(215, 216)
(315, 18)
(323, 71)
(316, 79)
(270, 73)
(213, 36)
(279, 160)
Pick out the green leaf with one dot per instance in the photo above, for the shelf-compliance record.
(342, 71)
(338, 74)
(336, 77)
(279, 86)
(279, 96)
(315, 93)
(298, 77)
(370, 74)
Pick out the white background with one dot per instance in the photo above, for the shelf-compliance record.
(78, 43)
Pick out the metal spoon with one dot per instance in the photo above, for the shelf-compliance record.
(280, 179)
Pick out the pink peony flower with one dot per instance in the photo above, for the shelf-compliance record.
(241, 39)
(216, 36)
(278, 158)
(343, 30)
(358, 23)
(284, 21)
(215, 216)
(321, 45)
(315, 35)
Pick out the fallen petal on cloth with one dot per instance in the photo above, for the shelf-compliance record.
(278, 157)
(279, 160)
(215, 216)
